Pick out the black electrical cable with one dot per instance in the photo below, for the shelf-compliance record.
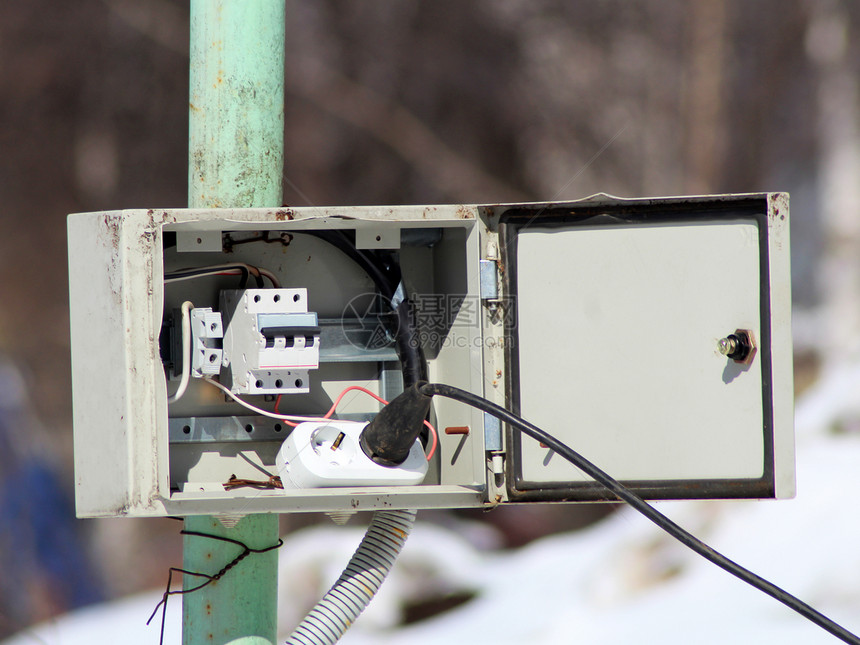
(626, 495)
(407, 343)
(385, 283)
(384, 270)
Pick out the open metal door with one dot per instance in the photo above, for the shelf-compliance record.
(653, 337)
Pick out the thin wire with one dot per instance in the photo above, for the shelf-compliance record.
(185, 274)
(191, 276)
(286, 418)
(253, 408)
(186, 352)
(327, 415)
(246, 551)
(271, 276)
(626, 495)
(186, 366)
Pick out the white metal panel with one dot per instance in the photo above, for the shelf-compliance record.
(122, 458)
(782, 376)
(618, 329)
(115, 308)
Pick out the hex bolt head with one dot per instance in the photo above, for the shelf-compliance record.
(739, 346)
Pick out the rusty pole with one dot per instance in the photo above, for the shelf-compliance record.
(236, 131)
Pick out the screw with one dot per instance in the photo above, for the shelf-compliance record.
(727, 345)
(739, 346)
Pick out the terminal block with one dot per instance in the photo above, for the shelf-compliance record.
(206, 332)
(271, 341)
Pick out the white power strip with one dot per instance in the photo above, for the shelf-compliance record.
(325, 454)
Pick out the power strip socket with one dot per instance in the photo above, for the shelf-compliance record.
(327, 454)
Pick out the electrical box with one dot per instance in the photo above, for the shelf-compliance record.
(650, 335)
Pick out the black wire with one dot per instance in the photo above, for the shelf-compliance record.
(385, 283)
(407, 343)
(626, 495)
(246, 551)
(383, 268)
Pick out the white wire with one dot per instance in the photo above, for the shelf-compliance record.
(231, 265)
(266, 413)
(271, 276)
(186, 352)
(235, 271)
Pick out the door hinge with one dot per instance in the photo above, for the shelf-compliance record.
(492, 433)
(489, 280)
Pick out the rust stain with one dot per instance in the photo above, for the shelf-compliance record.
(113, 233)
(284, 214)
(112, 225)
(464, 213)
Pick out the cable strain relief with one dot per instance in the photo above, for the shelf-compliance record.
(388, 439)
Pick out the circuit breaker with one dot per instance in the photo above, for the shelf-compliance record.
(271, 341)
(225, 361)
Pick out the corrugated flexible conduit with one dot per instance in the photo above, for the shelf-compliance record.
(359, 582)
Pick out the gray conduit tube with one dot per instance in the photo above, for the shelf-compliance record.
(359, 582)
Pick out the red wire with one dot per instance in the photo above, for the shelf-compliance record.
(433, 434)
(277, 403)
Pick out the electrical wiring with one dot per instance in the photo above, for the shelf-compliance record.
(181, 276)
(382, 277)
(287, 418)
(221, 269)
(434, 438)
(253, 408)
(384, 269)
(186, 352)
(186, 372)
(632, 499)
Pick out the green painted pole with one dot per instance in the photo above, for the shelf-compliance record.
(235, 159)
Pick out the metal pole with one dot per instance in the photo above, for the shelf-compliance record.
(235, 159)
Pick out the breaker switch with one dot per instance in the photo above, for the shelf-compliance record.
(271, 341)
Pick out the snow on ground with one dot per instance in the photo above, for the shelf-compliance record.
(619, 581)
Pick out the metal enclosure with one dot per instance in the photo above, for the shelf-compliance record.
(597, 320)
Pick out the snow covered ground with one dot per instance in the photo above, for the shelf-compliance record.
(620, 581)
